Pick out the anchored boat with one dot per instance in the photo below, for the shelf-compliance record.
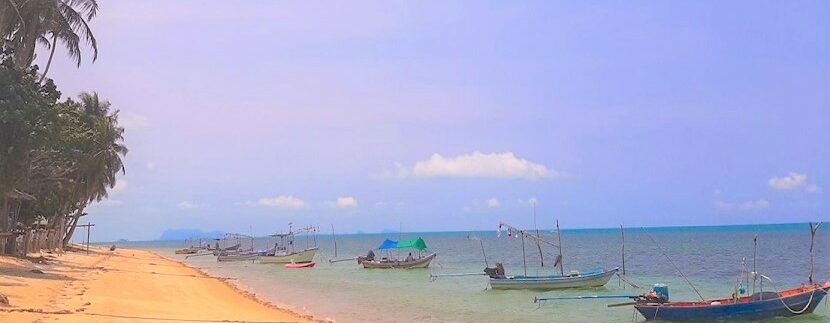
(387, 262)
(498, 279)
(284, 251)
(758, 305)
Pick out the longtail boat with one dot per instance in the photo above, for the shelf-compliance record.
(760, 305)
(573, 280)
(284, 251)
(388, 262)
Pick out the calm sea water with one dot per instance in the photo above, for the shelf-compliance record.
(709, 256)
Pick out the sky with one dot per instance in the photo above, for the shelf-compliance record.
(434, 115)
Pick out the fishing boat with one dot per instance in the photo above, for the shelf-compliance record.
(238, 256)
(188, 250)
(302, 265)
(192, 249)
(499, 280)
(573, 280)
(284, 251)
(388, 262)
(760, 305)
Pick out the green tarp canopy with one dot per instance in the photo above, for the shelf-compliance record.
(415, 244)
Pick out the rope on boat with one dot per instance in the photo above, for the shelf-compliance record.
(809, 302)
(673, 265)
(622, 277)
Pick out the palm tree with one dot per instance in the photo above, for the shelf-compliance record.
(102, 162)
(25, 24)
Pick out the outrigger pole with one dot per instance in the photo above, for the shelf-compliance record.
(543, 299)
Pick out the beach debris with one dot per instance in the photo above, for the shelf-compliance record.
(37, 271)
(112, 248)
(4, 301)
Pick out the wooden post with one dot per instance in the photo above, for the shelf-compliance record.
(622, 232)
(335, 240)
(813, 229)
(88, 227)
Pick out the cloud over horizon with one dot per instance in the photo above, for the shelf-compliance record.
(187, 205)
(793, 181)
(475, 165)
(282, 202)
(346, 202)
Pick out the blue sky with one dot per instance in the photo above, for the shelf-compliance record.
(452, 116)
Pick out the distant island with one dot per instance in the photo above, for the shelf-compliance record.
(183, 234)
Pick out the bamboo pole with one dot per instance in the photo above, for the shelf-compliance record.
(524, 259)
(538, 245)
(622, 232)
(333, 237)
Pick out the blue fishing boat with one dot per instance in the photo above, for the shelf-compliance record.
(761, 305)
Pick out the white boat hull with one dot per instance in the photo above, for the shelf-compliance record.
(417, 263)
(237, 257)
(297, 257)
(553, 282)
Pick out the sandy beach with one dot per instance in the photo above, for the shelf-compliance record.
(123, 286)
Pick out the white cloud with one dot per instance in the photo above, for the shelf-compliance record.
(282, 202)
(119, 187)
(813, 189)
(132, 121)
(742, 206)
(346, 202)
(475, 165)
(187, 205)
(150, 165)
(793, 180)
(493, 202)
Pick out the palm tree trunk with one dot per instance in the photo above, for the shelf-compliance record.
(74, 223)
(51, 54)
(4, 213)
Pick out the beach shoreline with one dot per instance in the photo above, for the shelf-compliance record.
(78, 287)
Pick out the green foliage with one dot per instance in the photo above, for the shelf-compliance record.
(67, 154)
(25, 108)
(24, 24)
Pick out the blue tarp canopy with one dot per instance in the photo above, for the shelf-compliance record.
(388, 244)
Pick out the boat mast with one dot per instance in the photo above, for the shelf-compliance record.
(754, 255)
(561, 260)
(538, 245)
(524, 259)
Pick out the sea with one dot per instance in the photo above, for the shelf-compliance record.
(711, 258)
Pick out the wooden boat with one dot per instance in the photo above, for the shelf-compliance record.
(303, 256)
(422, 262)
(284, 251)
(188, 251)
(303, 265)
(761, 305)
(757, 306)
(387, 262)
(574, 280)
(237, 256)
